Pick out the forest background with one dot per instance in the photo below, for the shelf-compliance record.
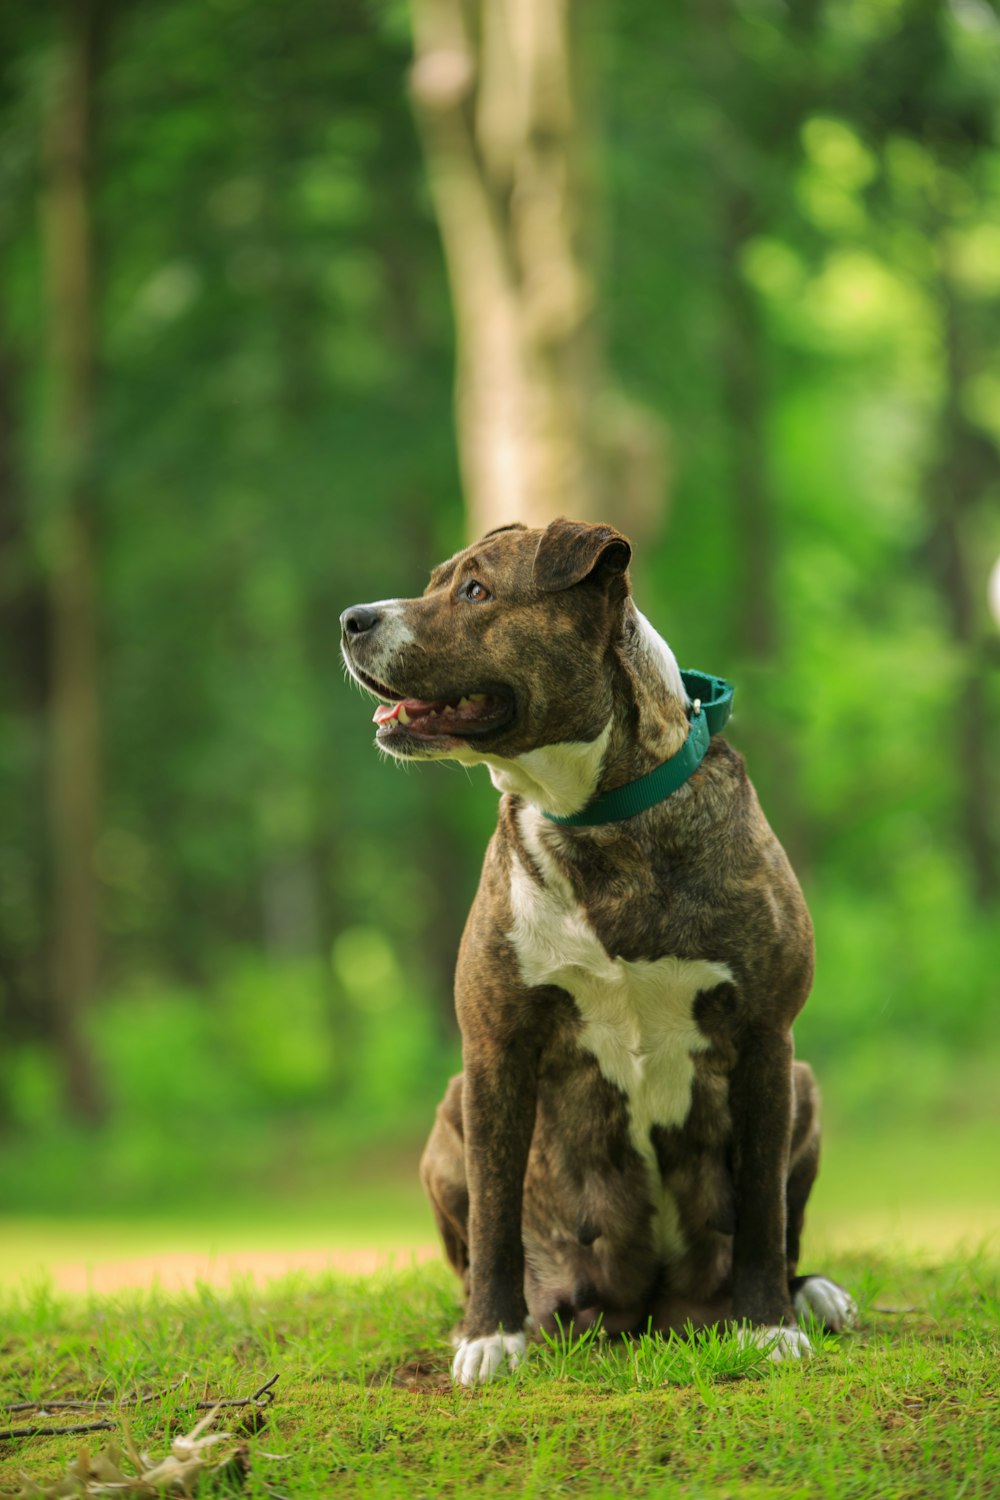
(231, 278)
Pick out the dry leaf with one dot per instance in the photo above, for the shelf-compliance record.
(191, 1455)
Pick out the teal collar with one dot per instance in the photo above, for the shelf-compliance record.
(711, 705)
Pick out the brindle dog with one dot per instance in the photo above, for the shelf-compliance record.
(630, 1139)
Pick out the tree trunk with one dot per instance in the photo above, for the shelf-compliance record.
(69, 545)
(967, 466)
(24, 982)
(744, 405)
(757, 624)
(496, 85)
(757, 618)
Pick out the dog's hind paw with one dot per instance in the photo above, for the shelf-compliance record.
(478, 1360)
(824, 1300)
(778, 1342)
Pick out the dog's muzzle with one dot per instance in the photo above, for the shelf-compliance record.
(404, 722)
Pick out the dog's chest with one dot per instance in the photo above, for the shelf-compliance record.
(637, 1016)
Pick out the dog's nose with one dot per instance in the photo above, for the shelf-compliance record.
(358, 619)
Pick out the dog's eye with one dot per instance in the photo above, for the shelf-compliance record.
(474, 591)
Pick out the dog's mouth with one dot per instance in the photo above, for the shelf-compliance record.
(461, 716)
(457, 716)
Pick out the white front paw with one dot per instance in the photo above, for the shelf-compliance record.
(480, 1359)
(827, 1302)
(780, 1343)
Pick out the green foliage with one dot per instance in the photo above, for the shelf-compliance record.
(267, 1078)
(811, 196)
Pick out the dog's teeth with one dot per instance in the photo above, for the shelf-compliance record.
(464, 702)
(403, 716)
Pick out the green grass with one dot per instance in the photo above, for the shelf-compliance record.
(904, 1406)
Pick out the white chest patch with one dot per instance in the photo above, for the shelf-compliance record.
(638, 1015)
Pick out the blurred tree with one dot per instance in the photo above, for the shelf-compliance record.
(923, 90)
(500, 91)
(70, 540)
(24, 985)
(966, 475)
(751, 146)
(22, 674)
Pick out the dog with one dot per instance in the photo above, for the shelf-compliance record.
(631, 1141)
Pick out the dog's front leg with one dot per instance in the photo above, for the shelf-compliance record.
(498, 1108)
(761, 1105)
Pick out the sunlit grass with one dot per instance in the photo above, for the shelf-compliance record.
(365, 1407)
(902, 1407)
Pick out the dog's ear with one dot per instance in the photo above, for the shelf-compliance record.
(570, 551)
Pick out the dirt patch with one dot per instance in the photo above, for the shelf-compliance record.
(181, 1270)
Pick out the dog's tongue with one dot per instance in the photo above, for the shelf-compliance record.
(405, 710)
(440, 717)
(385, 712)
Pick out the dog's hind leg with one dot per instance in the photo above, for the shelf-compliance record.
(812, 1296)
(442, 1172)
(803, 1158)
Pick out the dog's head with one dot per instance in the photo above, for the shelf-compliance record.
(516, 644)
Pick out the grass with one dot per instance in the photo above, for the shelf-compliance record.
(904, 1406)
